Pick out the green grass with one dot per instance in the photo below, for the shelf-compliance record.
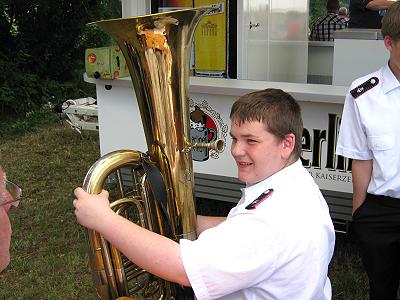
(348, 278)
(49, 251)
(49, 256)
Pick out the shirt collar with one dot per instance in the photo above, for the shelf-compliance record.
(253, 191)
(389, 81)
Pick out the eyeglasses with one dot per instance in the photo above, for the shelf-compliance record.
(14, 190)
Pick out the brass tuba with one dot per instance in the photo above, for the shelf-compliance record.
(154, 189)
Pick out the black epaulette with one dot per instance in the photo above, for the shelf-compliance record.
(260, 199)
(363, 87)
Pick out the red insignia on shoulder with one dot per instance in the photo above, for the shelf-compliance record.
(364, 87)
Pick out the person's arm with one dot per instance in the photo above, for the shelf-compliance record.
(150, 251)
(205, 222)
(312, 36)
(379, 4)
(362, 170)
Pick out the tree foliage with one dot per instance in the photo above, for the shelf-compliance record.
(42, 48)
(317, 9)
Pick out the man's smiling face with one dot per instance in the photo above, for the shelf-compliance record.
(258, 153)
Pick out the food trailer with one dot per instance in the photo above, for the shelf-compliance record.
(269, 48)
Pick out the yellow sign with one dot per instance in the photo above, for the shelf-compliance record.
(168, 5)
(210, 41)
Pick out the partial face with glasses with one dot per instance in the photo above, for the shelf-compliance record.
(10, 195)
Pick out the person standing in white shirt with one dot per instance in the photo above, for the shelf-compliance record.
(370, 136)
(275, 244)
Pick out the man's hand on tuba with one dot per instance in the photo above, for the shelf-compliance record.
(91, 209)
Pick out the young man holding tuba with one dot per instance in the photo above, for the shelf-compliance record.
(275, 244)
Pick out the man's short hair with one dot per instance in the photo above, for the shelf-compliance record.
(391, 22)
(277, 110)
(332, 5)
(343, 11)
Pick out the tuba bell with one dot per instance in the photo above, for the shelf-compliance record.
(153, 189)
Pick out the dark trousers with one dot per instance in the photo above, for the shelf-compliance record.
(377, 228)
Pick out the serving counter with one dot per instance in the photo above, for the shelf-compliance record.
(357, 52)
(120, 127)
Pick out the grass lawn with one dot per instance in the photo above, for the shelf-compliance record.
(49, 259)
(49, 253)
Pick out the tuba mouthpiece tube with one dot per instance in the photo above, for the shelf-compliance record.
(217, 145)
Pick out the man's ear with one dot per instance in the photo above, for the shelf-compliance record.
(288, 144)
(388, 42)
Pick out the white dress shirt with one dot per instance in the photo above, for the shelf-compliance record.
(279, 250)
(370, 129)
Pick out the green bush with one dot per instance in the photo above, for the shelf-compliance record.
(42, 50)
(22, 92)
(15, 126)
